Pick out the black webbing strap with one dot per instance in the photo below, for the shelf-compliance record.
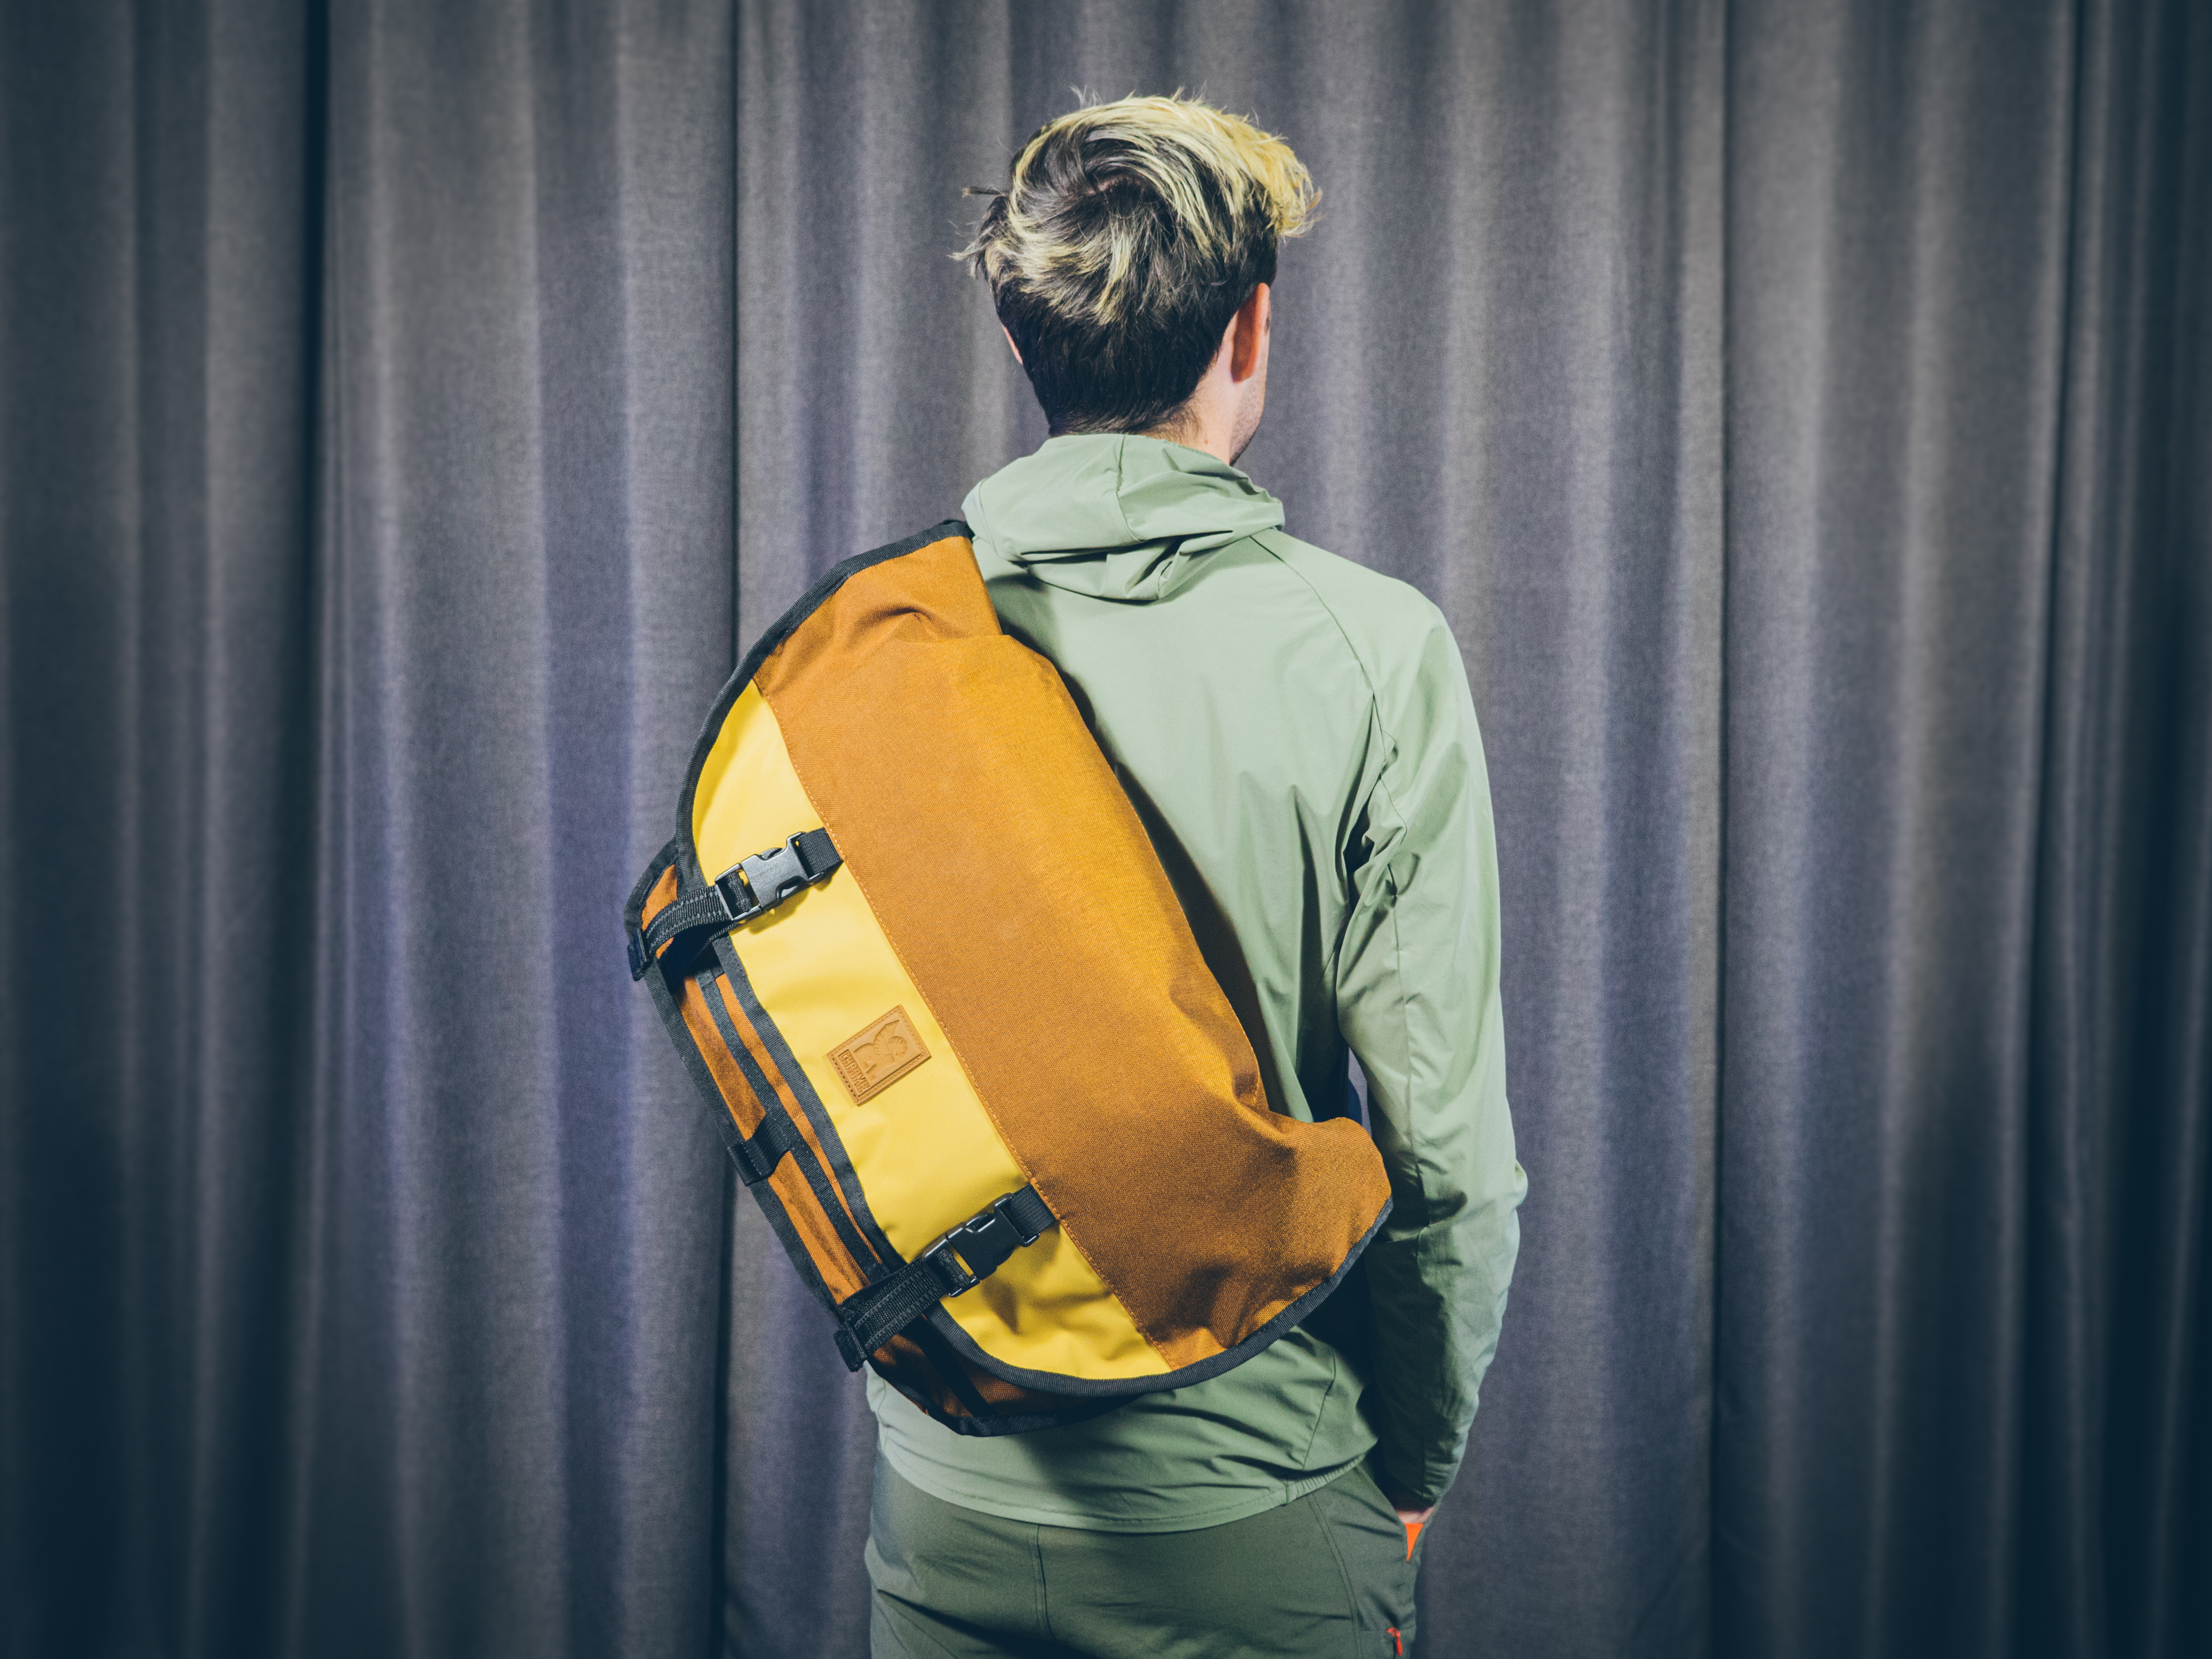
(748, 888)
(959, 1261)
(759, 1152)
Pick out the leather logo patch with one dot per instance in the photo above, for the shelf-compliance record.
(879, 1055)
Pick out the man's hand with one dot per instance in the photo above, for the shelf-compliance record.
(1412, 1515)
(1411, 1511)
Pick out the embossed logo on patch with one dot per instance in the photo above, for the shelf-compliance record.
(879, 1056)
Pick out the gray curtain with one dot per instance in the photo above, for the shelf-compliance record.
(408, 408)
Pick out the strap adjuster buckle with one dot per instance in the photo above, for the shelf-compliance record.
(977, 1247)
(951, 1272)
(754, 886)
(1003, 1209)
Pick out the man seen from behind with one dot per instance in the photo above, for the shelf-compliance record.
(1297, 733)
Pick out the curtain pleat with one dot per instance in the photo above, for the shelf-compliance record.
(1898, 260)
(526, 550)
(2119, 1298)
(156, 222)
(1803, 416)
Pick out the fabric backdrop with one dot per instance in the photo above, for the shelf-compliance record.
(407, 409)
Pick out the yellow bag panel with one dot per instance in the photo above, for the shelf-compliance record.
(925, 1151)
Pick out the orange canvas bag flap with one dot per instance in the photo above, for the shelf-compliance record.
(920, 956)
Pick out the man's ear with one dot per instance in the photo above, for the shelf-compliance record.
(1247, 333)
(1011, 346)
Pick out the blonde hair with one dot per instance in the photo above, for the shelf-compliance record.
(1127, 235)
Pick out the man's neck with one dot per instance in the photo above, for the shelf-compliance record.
(1208, 421)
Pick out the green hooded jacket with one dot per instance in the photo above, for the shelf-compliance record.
(1296, 734)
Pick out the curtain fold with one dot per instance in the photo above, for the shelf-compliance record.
(1803, 416)
(525, 553)
(2118, 1301)
(1898, 263)
(156, 453)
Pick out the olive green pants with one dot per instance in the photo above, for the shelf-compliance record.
(1327, 1575)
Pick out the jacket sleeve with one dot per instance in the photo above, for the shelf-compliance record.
(1416, 997)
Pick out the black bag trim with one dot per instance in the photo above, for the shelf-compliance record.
(691, 880)
(809, 602)
(1114, 1390)
(709, 1092)
(802, 1090)
(817, 1178)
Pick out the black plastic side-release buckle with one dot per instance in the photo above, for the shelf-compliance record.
(750, 887)
(962, 1259)
(978, 1247)
(754, 886)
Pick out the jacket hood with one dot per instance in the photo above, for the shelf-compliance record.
(1115, 515)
